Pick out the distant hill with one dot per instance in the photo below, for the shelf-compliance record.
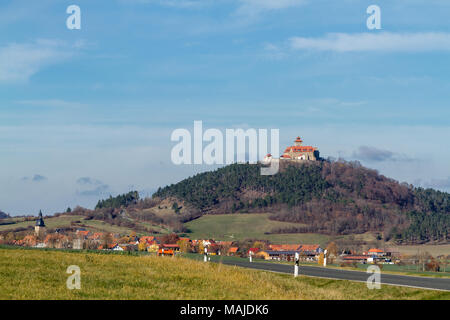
(3, 215)
(327, 197)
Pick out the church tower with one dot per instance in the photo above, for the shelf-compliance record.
(39, 228)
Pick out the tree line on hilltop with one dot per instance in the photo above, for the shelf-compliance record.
(331, 197)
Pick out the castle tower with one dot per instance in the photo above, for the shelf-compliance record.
(267, 158)
(39, 228)
(298, 142)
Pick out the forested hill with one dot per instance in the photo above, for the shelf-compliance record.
(3, 215)
(328, 197)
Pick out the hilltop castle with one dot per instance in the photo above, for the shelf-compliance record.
(297, 152)
(300, 152)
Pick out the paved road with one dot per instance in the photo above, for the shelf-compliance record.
(420, 282)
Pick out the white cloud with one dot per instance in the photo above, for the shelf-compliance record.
(376, 42)
(20, 61)
(51, 103)
(272, 51)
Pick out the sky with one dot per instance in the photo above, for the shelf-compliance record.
(88, 113)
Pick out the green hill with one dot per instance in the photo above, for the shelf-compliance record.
(334, 198)
(3, 215)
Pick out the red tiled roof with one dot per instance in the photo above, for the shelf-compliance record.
(233, 250)
(97, 235)
(309, 247)
(300, 149)
(355, 257)
(147, 239)
(376, 250)
(109, 246)
(284, 247)
(83, 233)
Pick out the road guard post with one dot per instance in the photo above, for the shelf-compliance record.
(296, 264)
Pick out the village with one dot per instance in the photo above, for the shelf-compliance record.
(172, 245)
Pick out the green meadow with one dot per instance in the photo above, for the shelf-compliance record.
(232, 227)
(41, 274)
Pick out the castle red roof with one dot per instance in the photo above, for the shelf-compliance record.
(300, 149)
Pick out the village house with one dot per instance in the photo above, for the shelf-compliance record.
(106, 247)
(153, 246)
(27, 241)
(213, 249)
(374, 252)
(233, 251)
(282, 255)
(310, 252)
(174, 247)
(56, 240)
(373, 255)
(253, 251)
(129, 246)
(168, 249)
(307, 252)
(285, 247)
(355, 258)
(146, 239)
(77, 244)
(117, 247)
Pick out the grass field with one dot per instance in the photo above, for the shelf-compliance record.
(41, 274)
(55, 222)
(65, 221)
(245, 226)
(433, 249)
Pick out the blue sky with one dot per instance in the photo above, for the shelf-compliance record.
(87, 113)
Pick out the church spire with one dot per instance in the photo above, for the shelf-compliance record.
(40, 220)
